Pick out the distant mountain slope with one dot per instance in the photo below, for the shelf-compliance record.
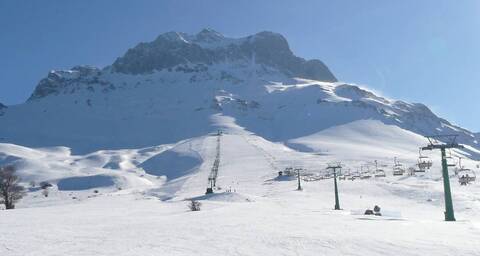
(173, 88)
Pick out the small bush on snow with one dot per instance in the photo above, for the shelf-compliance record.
(194, 205)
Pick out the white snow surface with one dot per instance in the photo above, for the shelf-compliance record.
(251, 212)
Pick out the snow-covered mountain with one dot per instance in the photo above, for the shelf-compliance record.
(110, 140)
(168, 90)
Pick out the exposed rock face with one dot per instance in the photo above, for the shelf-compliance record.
(272, 49)
(60, 80)
(209, 47)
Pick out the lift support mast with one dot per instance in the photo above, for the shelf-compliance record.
(334, 167)
(435, 143)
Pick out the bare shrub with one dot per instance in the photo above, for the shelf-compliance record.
(10, 190)
(194, 205)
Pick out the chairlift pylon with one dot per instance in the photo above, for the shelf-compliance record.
(449, 142)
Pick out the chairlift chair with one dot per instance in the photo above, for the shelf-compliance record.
(288, 171)
(420, 169)
(460, 166)
(345, 175)
(424, 162)
(465, 176)
(380, 173)
(398, 169)
(327, 175)
(398, 172)
(451, 162)
(355, 175)
(365, 175)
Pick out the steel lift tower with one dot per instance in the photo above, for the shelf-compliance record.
(299, 187)
(449, 141)
(334, 167)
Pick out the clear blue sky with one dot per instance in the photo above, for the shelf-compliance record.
(420, 51)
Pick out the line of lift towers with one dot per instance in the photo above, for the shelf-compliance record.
(441, 142)
(212, 177)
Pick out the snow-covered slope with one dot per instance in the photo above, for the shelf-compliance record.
(362, 140)
(151, 217)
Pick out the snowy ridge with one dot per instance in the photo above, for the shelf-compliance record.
(168, 104)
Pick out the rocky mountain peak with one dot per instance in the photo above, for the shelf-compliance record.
(80, 76)
(172, 36)
(208, 35)
(207, 53)
(209, 47)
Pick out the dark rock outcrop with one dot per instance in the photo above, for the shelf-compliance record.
(57, 81)
(209, 47)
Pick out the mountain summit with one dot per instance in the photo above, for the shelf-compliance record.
(209, 47)
(176, 51)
